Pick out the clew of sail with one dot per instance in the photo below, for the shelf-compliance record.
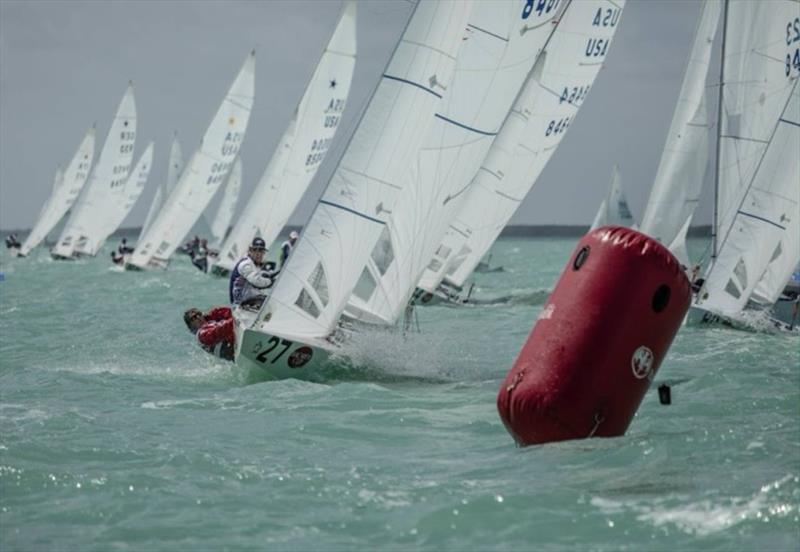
(681, 172)
(302, 147)
(105, 186)
(66, 187)
(325, 266)
(544, 110)
(162, 191)
(500, 47)
(199, 181)
(222, 219)
(614, 208)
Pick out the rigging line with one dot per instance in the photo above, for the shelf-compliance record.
(353, 211)
(412, 83)
(720, 99)
(456, 123)
(762, 219)
(470, 25)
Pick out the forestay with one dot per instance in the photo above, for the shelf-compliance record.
(162, 191)
(132, 189)
(757, 168)
(324, 267)
(302, 147)
(614, 208)
(106, 183)
(207, 169)
(66, 187)
(681, 172)
(224, 214)
(502, 41)
(544, 110)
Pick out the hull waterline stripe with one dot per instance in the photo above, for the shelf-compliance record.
(349, 210)
(412, 83)
(762, 219)
(475, 130)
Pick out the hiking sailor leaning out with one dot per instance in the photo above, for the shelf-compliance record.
(251, 276)
(214, 330)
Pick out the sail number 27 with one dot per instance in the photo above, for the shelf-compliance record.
(793, 37)
(272, 344)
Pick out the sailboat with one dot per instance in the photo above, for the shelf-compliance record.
(302, 148)
(205, 172)
(66, 187)
(614, 208)
(105, 187)
(499, 49)
(296, 327)
(682, 169)
(162, 192)
(541, 115)
(755, 243)
(219, 223)
(110, 220)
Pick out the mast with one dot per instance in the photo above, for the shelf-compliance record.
(719, 132)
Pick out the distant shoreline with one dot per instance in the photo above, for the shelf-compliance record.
(511, 231)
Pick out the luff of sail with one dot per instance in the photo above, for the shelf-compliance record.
(614, 208)
(681, 171)
(758, 99)
(302, 148)
(204, 174)
(106, 182)
(553, 95)
(162, 192)
(324, 267)
(65, 191)
(500, 47)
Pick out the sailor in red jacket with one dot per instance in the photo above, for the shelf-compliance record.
(214, 330)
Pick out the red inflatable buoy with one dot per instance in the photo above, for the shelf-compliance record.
(598, 342)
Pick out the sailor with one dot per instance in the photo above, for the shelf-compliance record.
(123, 247)
(287, 246)
(117, 259)
(12, 242)
(251, 277)
(200, 256)
(214, 330)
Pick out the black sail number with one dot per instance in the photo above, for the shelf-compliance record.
(272, 344)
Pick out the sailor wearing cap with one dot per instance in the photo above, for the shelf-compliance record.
(250, 277)
(287, 246)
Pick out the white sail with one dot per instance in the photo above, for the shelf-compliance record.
(112, 218)
(222, 219)
(500, 47)
(325, 266)
(543, 112)
(207, 169)
(762, 247)
(614, 208)
(302, 148)
(757, 168)
(106, 183)
(679, 180)
(66, 188)
(162, 191)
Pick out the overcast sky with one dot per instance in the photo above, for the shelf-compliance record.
(65, 64)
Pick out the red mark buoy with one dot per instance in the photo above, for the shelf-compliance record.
(598, 342)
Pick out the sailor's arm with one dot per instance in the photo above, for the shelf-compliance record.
(212, 333)
(256, 276)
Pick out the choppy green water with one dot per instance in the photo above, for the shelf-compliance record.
(116, 432)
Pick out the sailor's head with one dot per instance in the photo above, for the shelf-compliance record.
(124, 241)
(293, 237)
(193, 319)
(257, 249)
